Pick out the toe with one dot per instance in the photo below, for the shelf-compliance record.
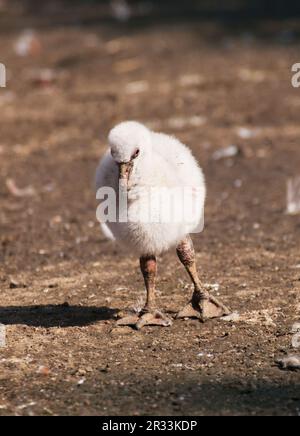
(128, 320)
(189, 312)
(155, 318)
(212, 309)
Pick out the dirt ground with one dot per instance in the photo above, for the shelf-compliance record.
(62, 283)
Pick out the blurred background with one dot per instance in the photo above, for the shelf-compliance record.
(125, 9)
(215, 74)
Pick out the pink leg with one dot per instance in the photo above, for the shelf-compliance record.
(149, 314)
(202, 305)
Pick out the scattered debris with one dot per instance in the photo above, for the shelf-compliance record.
(178, 123)
(238, 183)
(57, 219)
(81, 239)
(28, 44)
(262, 317)
(296, 327)
(137, 87)
(224, 153)
(233, 317)
(15, 284)
(43, 370)
(81, 382)
(105, 369)
(293, 196)
(290, 362)
(209, 355)
(191, 80)
(245, 133)
(181, 122)
(296, 266)
(24, 406)
(215, 287)
(296, 340)
(12, 187)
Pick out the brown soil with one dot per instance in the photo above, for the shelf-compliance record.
(62, 283)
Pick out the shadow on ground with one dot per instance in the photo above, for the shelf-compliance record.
(178, 395)
(55, 315)
(234, 398)
(189, 396)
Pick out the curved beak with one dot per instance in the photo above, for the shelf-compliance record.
(125, 169)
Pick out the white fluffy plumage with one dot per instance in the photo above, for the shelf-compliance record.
(162, 162)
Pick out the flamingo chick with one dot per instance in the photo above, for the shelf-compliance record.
(142, 165)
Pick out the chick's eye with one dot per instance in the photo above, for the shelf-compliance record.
(136, 153)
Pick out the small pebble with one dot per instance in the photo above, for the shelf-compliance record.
(290, 362)
(296, 327)
(14, 284)
(223, 153)
(233, 317)
(43, 370)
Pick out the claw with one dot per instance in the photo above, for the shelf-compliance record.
(203, 309)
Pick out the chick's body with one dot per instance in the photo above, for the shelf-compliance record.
(164, 179)
(154, 178)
